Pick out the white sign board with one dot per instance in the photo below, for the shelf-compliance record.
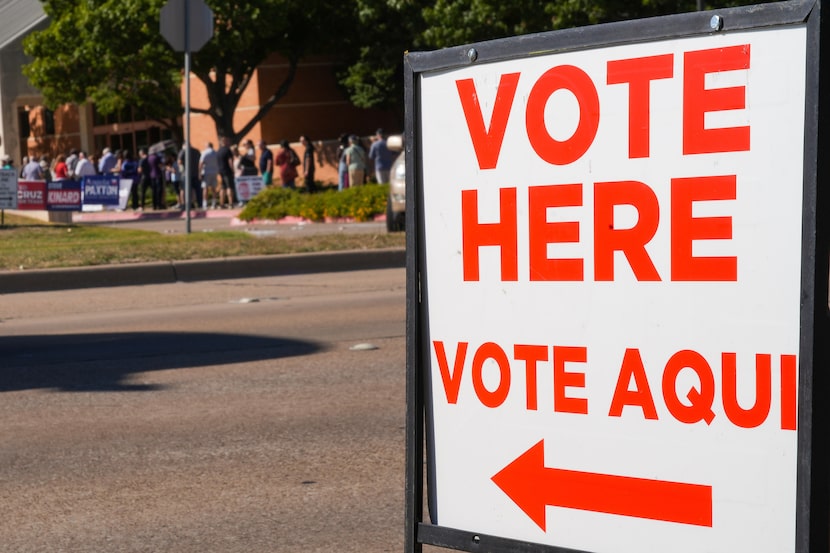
(613, 251)
(8, 189)
(248, 186)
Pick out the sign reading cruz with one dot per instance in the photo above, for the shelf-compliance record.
(613, 270)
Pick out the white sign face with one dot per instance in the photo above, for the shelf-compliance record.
(613, 253)
(8, 189)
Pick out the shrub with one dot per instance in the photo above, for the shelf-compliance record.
(361, 203)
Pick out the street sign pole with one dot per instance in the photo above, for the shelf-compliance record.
(187, 25)
(187, 145)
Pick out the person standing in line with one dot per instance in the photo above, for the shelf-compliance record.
(342, 167)
(84, 167)
(266, 164)
(209, 171)
(129, 170)
(144, 180)
(356, 160)
(107, 162)
(119, 160)
(93, 159)
(287, 161)
(60, 171)
(194, 157)
(32, 169)
(246, 161)
(23, 163)
(71, 163)
(381, 156)
(226, 171)
(308, 163)
(173, 178)
(156, 166)
(250, 150)
(44, 168)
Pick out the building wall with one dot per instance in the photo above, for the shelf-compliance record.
(15, 94)
(315, 106)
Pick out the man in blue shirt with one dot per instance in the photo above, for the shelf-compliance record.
(107, 162)
(381, 157)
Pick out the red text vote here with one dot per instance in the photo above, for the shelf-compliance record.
(612, 245)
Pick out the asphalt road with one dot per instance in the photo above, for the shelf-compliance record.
(222, 416)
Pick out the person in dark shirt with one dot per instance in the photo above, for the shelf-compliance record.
(190, 154)
(266, 164)
(226, 171)
(308, 163)
(144, 180)
(156, 165)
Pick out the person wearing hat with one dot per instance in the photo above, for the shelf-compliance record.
(381, 157)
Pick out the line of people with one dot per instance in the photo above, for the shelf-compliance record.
(213, 172)
(353, 160)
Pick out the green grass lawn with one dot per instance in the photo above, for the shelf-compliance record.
(29, 244)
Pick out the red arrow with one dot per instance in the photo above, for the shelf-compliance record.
(532, 486)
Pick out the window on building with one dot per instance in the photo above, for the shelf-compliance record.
(48, 122)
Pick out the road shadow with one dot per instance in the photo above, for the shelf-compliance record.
(103, 362)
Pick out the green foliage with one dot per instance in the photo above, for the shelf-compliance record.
(361, 203)
(373, 54)
(389, 28)
(109, 52)
(477, 20)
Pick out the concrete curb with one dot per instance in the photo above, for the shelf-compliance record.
(12, 282)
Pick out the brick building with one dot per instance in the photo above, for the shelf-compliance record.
(314, 106)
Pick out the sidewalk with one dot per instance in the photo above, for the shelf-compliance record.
(173, 221)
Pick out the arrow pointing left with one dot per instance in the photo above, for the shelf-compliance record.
(533, 487)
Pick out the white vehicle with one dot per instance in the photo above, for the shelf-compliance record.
(396, 203)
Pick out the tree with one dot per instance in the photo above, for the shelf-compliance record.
(246, 33)
(89, 52)
(109, 53)
(373, 75)
(373, 55)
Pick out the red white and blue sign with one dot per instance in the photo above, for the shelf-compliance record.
(31, 195)
(100, 190)
(63, 195)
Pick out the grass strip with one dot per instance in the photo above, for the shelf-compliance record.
(26, 244)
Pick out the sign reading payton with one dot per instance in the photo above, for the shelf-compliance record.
(613, 268)
(101, 190)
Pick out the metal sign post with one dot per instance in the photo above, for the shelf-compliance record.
(617, 322)
(187, 25)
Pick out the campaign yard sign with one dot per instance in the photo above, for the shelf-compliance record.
(101, 190)
(31, 195)
(63, 195)
(8, 189)
(613, 274)
(248, 186)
